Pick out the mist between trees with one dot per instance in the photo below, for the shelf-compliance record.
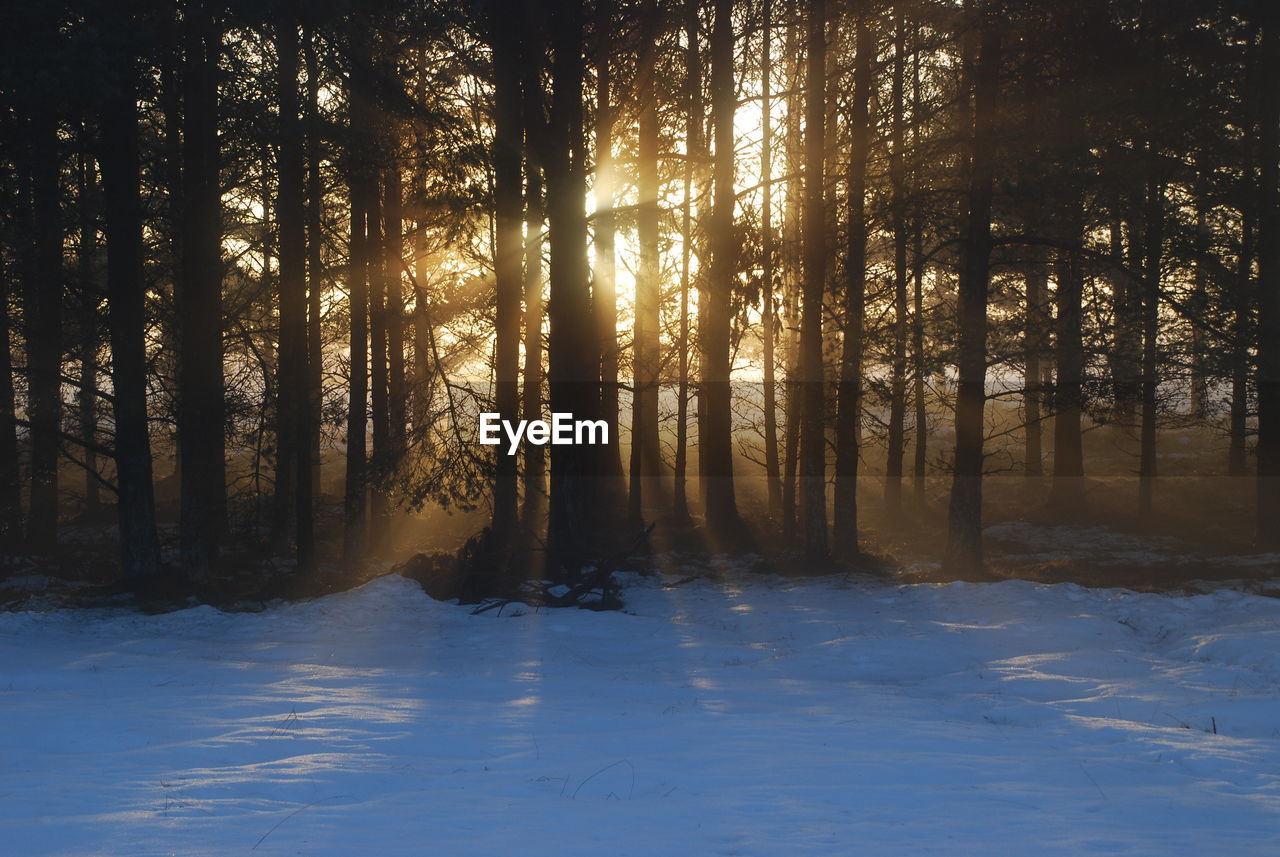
(824, 269)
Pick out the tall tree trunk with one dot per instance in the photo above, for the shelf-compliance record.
(695, 150)
(364, 192)
(848, 417)
(282, 484)
(1198, 304)
(87, 406)
(1241, 331)
(1035, 343)
(920, 462)
(43, 316)
(201, 405)
(1268, 446)
(170, 103)
(604, 286)
(813, 447)
(769, 322)
(355, 496)
(897, 213)
(680, 498)
(1068, 398)
(964, 532)
(423, 338)
(1154, 239)
(393, 240)
(315, 261)
(715, 437)
(919, 358)
(535, 459)
(286, 374)
(646, 457)
(379, 418)
(504, 34)
(294, 396)
(127, 320)
(1245, 293)
(10, 476)
(572, 353)
(793, 274)
(1126, 360)
(533, 108)
(87, 394)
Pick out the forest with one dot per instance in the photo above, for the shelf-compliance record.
(834, 274)
(894, 383)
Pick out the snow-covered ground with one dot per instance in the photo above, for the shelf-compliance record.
(756, 717)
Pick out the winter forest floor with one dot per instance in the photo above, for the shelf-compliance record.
(1199, 538)
(748, 715)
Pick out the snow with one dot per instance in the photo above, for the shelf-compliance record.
(751, 716)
